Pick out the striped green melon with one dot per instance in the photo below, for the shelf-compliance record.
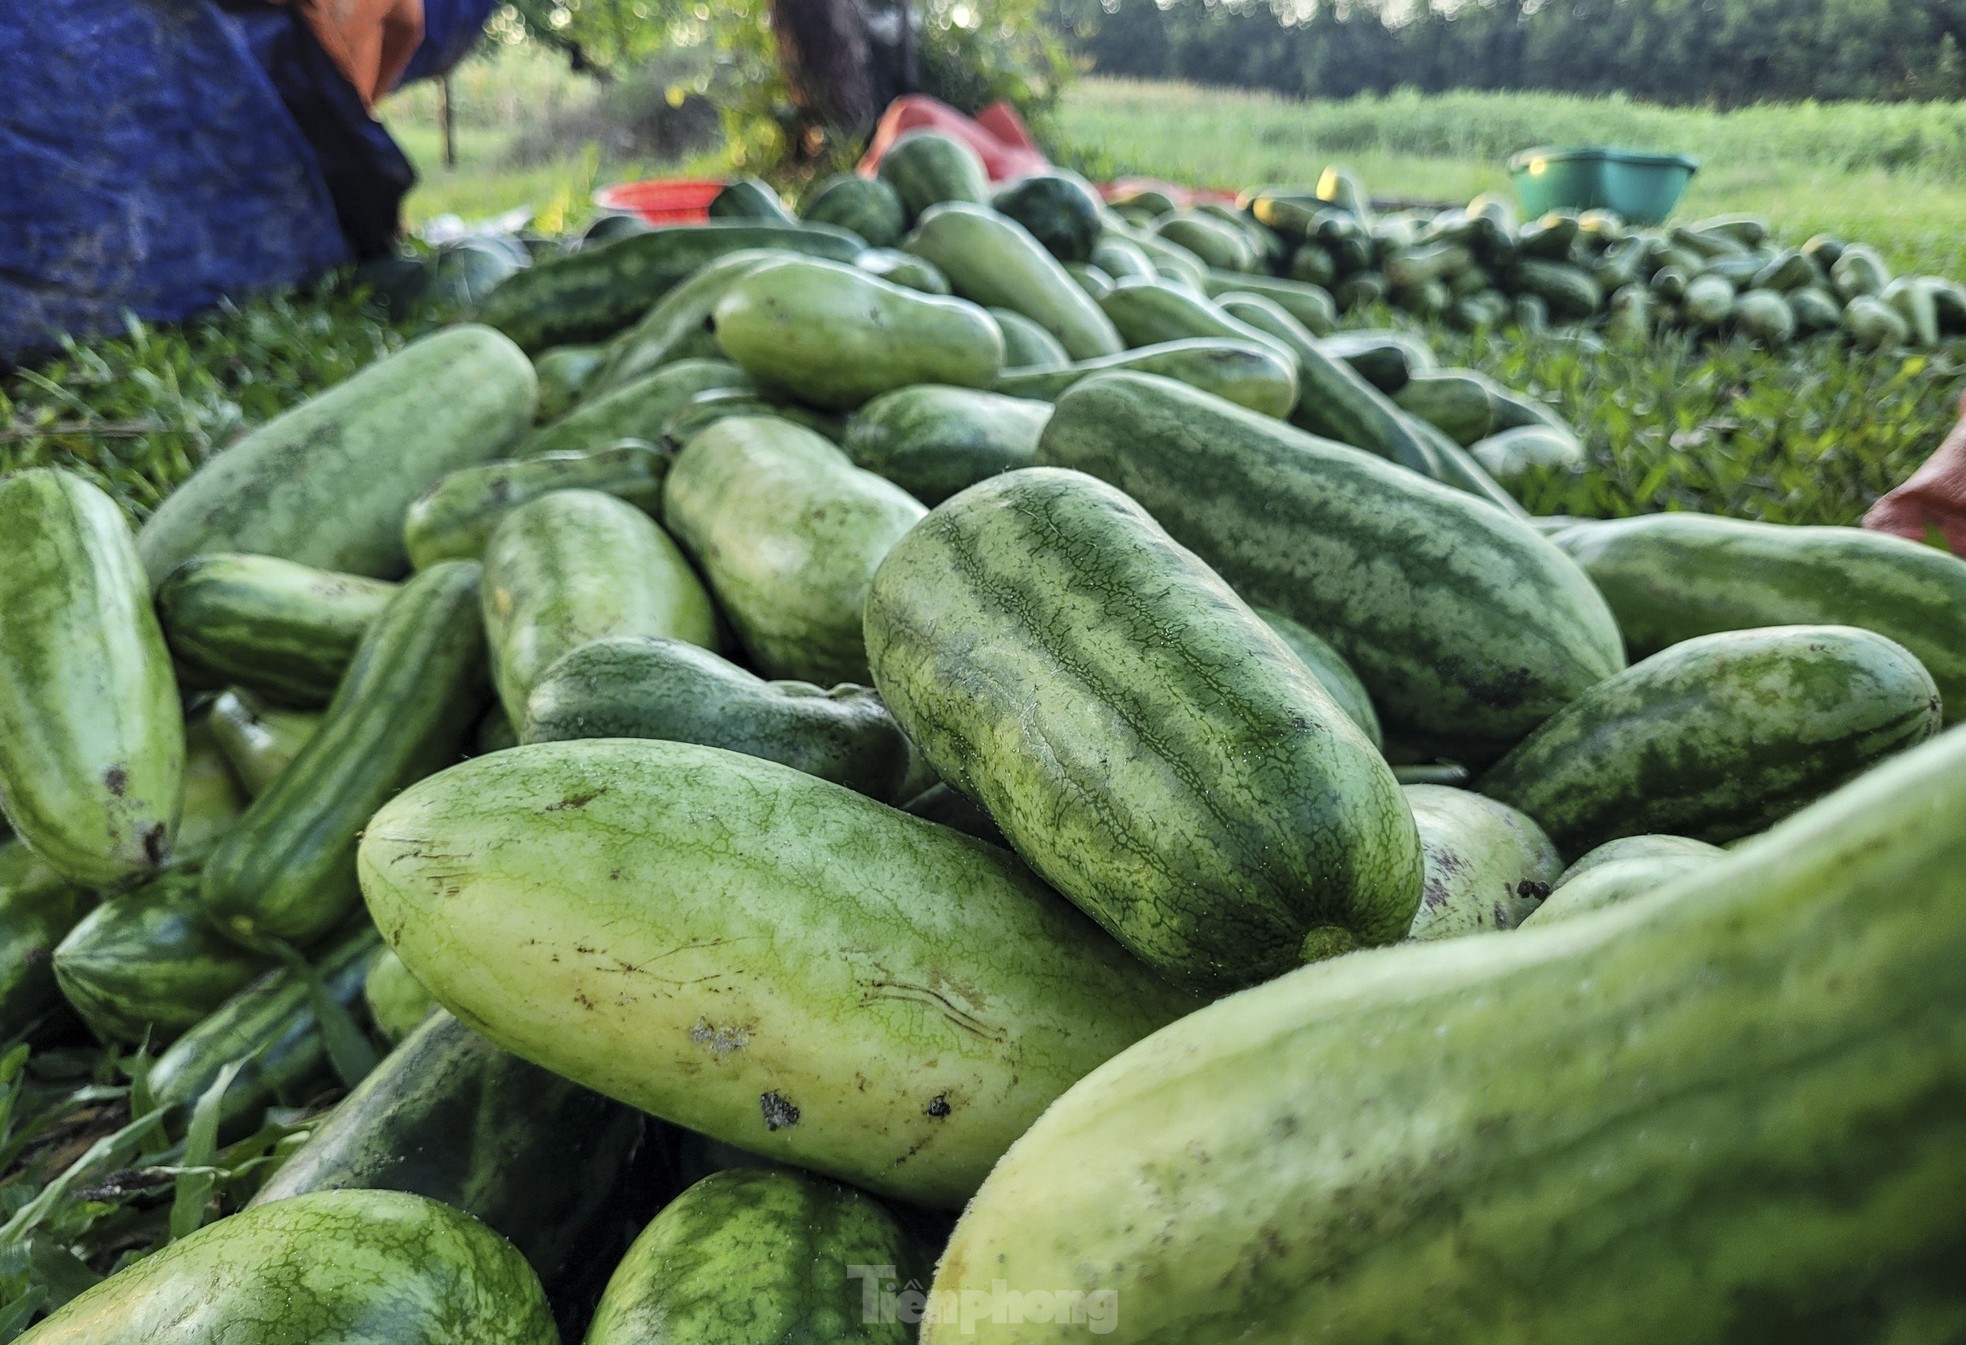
(1729, 1111)
(787, 531)
(351, 1267)
(1669, 577)
(1489, 867)
(677, 327)
(272, 1029)
(326, 483)
(591, 294)
(866, 205)
(415, 688)
(1610, 881)
(754, 1256)
(272, 625)
(577, 565)
(753, 953)
(638, 686)
(634, 409)
(456, 517)
(91, 733)
(836, 336)
(992, 260)
(1142, 738)
(1246, 373)
(926, 167)
(1718, 737)
(1468, 628)
(933, 441)
(149, 964)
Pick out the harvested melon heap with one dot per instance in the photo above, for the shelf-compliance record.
(964, 765)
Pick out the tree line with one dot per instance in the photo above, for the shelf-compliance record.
(1719, 52)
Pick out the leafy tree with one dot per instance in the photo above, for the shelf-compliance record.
(1723, 52)
(599, 37)
(805, 79)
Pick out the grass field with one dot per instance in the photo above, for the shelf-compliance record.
(498, 104)
(1895, 175)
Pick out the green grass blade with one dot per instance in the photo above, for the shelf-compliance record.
(112, 1150)
(349, 1050)
(196, 1176)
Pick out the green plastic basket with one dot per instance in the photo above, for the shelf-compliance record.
(1641, 188)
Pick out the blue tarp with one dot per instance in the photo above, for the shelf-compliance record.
(158, 155)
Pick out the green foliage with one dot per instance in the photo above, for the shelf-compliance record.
(599, 37)
(752, 94)
(93, 1179)
(136, 413)
(977, 53)
(532, 133)
(968, 53)
(1728, 52)
(1811, 434)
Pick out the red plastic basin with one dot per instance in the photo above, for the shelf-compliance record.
(662, 200)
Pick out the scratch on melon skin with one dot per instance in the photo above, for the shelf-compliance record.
(351, 1267)
(1468, 628)
(753, 1256)
(91, 731)
(1142, 737)
(1743, 1122)
(1670, 577)
(868, 961)
(1720, 736)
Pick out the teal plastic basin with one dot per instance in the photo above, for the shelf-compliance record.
(1641, 188)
